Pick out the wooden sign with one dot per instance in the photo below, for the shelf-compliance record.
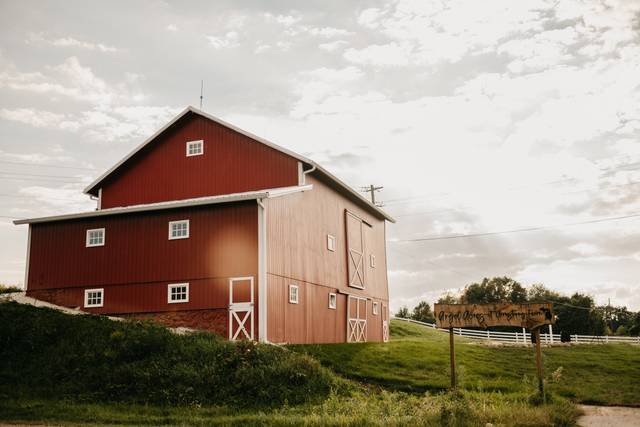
(528, 316)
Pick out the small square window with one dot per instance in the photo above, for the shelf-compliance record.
(333, 300)
(331, 243)
(178, 292)
(179, 229)
(293, 294)
(372, 261)
(195, 148)
(375, 308)
(95, 237)
(93, 297)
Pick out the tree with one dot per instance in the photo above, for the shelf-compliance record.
(403, 313)
(422, 313)
(447, 298)
(496, 289)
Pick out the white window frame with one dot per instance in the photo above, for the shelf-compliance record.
(375, 310)
(93, 245)
(86, 298)
(333, 300)
(331, 243)
(171, 236)
(372, 260)
(293, 300)
(174, 286)
(190, 144)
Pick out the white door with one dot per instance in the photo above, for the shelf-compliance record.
(356, 319)
(241, 308)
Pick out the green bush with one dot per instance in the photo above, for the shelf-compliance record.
(4, 289)
(45, 353)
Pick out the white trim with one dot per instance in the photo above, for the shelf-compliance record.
(200, 201)
(181, 221)
(372, 260)
(189, 144)
(301, 174)
(93, 245)
(297, 294)
(331, 243)
(262, 271)
(86, 298)
(375, 309)
(333, 304)
(100, 198)
(174, 286)
(302, 159)
(26, 267)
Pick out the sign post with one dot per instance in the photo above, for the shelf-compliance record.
(531, 316)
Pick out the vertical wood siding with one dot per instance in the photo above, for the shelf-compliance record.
(297, 228)
(138, 260)
(231, 163)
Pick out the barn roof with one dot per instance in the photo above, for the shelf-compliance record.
(199, 201)
(93, 188)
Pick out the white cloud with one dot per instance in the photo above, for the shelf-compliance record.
(69, 42)
(32, 117)
(228, 40)
(332, 46)
(172, 27)
(391, 54)
(585, 249)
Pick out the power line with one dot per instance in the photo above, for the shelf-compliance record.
(519, 230)
(372, 190)
(45, 165)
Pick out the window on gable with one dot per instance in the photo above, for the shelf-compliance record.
(331, 243)
(93, 297)
(195, 148)
(293, 294)
(178, 292)
(333, 300)
(95, 237)
(179, 229)
(375, 308)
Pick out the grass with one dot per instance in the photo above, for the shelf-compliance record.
(417, 360)
(401, 383)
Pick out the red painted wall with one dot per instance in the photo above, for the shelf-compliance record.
(231, 163)
(138, 260)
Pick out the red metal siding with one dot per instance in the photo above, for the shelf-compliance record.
(231, 163)
(138, 260)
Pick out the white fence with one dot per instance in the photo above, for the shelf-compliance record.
(525, 337)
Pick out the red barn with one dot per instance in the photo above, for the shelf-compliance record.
(207, 226)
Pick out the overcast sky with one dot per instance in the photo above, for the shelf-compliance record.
(475, 116)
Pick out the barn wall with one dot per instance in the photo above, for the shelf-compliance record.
(138, 260)
(231, 163)
(297, 228)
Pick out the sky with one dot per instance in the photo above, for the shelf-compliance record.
(476, 117)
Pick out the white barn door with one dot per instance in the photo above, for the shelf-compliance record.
(241, 308)
(356, 319)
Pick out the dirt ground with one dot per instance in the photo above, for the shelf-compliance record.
(605, 416)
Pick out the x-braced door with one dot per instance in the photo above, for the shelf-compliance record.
(356, 319)
(241, 308)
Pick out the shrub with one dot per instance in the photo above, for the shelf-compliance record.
(4, 289)
(46, 353)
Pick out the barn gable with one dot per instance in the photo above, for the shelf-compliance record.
(224, 162)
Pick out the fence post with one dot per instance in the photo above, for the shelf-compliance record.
(607, 339)
(524, 336)
(551, 332)
(575, 336)
(488, 334)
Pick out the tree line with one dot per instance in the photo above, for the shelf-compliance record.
(576, 314)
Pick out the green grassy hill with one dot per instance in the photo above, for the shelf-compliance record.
(417, 360)
(88, 370)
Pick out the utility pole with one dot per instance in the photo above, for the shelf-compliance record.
(372, 190)
(201, 92)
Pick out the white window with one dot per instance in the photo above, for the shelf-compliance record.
(293, 294)
(179, 229)
(333, 301)
(375, 308)
(331, 243)
(94, 297)
(195, 148)
(178, 292)
(372, 261)
(95, 237)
